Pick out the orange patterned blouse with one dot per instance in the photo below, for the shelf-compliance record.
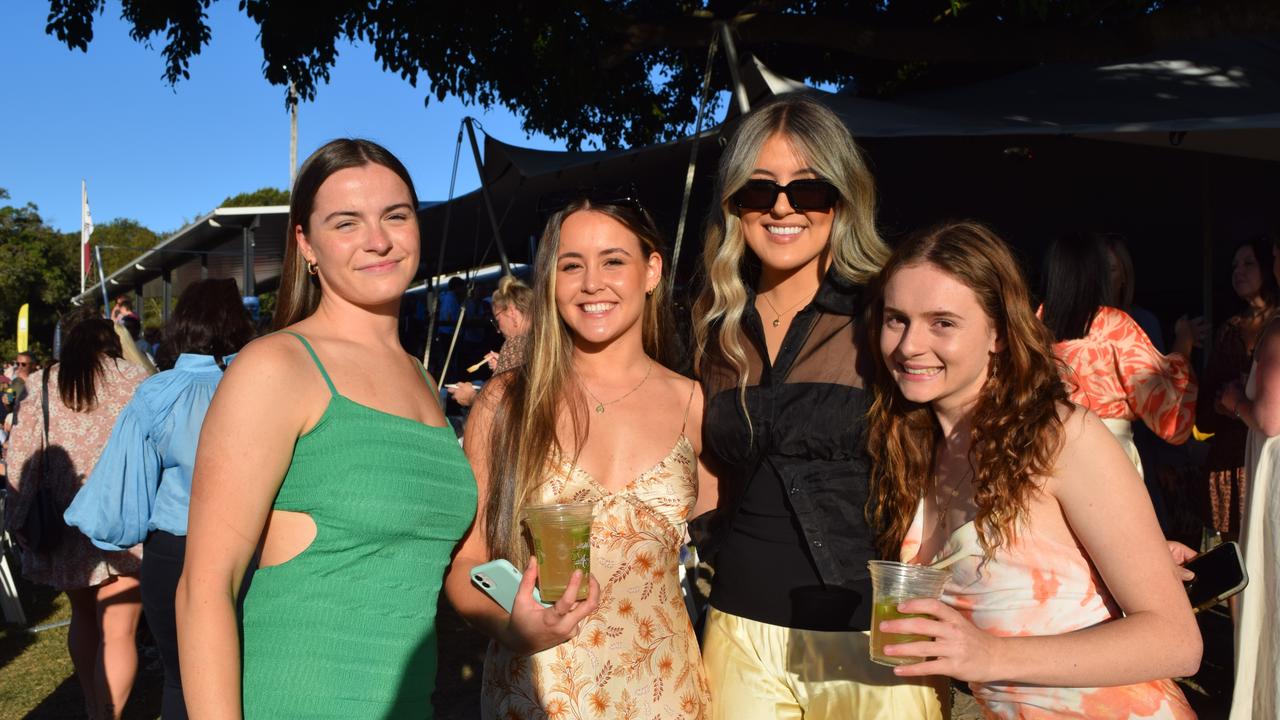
(1116, 372)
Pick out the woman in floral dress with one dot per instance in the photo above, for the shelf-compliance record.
(592, 416)
(87, 390)
(1112, 367)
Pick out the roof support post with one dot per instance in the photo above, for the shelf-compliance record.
(247, 288)
(167, 298)
(1206, 239)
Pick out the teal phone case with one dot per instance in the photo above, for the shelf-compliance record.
(500, 580)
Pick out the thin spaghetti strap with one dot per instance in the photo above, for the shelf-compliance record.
(426, 380)
(315, 358)
(422, 369)
(688, 404)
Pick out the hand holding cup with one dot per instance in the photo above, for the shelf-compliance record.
(533, 628)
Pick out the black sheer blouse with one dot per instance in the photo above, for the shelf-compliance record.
(795, 542)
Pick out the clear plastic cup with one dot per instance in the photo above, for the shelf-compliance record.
(562, 543)
(893, 583)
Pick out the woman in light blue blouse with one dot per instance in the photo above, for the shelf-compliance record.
(140, 487)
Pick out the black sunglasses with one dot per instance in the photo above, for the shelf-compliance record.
(801, 195)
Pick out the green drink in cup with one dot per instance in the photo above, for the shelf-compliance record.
(562, 544)
(893, 583)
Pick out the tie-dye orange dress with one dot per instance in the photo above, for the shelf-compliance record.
(1038, 586)
(637, 656)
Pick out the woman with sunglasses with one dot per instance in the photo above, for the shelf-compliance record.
(782, 361)
(592, 416)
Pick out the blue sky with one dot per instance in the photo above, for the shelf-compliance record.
(164, 155)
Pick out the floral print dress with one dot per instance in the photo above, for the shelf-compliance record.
(637, 655)
(76, 440)
(1117, 373)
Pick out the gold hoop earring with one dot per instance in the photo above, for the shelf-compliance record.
(312, 268)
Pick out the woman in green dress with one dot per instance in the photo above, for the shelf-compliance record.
(325, 451)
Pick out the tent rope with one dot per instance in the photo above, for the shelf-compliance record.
(433, 295)
(693, 156)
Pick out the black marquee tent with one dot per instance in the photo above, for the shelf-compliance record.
(1177, 150)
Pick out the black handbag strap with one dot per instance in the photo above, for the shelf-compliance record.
(44, 409)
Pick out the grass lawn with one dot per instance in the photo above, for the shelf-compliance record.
(36, 677)
(37, 681)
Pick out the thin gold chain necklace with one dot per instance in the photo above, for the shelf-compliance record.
(600, 405)
(777, 316)
(950, 495)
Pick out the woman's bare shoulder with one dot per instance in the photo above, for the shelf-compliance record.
(268, 362)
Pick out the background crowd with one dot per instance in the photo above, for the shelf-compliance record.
(284, 511)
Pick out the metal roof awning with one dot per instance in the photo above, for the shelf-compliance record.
(228, 242)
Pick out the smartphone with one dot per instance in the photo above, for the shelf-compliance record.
(500, 580)
(1219, 575)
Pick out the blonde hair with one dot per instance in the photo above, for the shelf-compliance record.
(512, 292)
(534, 395)
(857, 252)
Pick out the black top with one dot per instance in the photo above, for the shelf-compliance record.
(796, 542)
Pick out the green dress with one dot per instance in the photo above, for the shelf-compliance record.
(346, 629)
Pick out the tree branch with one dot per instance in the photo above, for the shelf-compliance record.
(941, 43)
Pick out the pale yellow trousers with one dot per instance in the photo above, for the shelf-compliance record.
(759, 671)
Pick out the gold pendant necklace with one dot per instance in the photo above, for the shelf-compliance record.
(777, 316)
(600, 405)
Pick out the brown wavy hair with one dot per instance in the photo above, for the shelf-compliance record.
(1017, 421)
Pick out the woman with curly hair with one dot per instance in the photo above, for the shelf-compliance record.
(1063, 598)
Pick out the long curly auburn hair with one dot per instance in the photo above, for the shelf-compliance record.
(1017, 426)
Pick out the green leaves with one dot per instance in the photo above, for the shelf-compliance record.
(628, 72)
(37, 266)
(258, 198)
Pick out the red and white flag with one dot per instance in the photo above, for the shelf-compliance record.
(86, 229)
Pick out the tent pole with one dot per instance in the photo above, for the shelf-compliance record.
(731, 55)
(453, 341)
(1206, 261)
(433, 291)
(693, 160)
(469, 122)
